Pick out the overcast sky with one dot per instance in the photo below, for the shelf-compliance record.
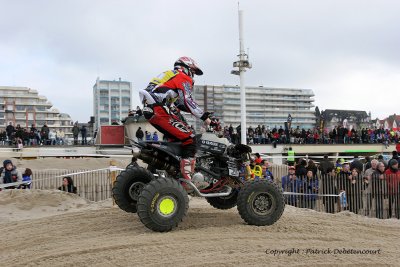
(346, 51)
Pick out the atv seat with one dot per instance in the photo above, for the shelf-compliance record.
(175, 148)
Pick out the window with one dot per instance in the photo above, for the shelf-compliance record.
(20, 107)
(40, 123)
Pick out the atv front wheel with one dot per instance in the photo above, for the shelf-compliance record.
(128, 185)
(224, 203)
(260, 202)
(162, 204)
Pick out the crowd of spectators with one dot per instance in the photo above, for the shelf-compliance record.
(9, 174)
(366, 188)
(370, 188)
(140, 135)
(338, 135)
(257, 169)
(136, 114)
(19, 137)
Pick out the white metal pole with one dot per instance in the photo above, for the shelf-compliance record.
(242, 86)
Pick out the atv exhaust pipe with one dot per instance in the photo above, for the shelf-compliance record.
(224, 194)
(148, 157)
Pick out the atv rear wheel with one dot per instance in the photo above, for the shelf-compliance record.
(260, 202)
(224, 203)
(128, 185)
(162, 204)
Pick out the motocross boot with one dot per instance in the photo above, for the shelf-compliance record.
(187, 170)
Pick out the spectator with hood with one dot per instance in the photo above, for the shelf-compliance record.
(10, 174)
(26, 177)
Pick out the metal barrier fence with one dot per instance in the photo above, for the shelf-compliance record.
(376, 196)
(92, 185)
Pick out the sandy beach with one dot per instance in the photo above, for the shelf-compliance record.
(53, 228)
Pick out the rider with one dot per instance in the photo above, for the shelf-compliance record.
(164, 98)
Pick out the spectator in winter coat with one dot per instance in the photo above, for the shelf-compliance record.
(395, 156)
(311, 187)
(392, 175)
(325, 165)
(381, 159)
(75, 133)
(10, 174)
(357, 164)
(139, 112)
(155, 136)
(301, 170)
(52, 137)
(45, 134)
(329, 187)
(258, 158)
(60, 137)
(68, 185)
(368, 172)
(139, 134)
(266, 173)
(339, 165)
(148, 136)
(10, 130)
(290, 183)
(27, 177)
(378, 189)
(84, 135)
(367, 164)
(312, 167)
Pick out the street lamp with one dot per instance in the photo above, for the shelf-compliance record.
(242, 65)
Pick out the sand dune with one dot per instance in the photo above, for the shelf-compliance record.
(52, 228)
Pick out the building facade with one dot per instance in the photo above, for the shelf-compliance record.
(351, 119)
(392, 122)
(24, 106)
(264, 105)
(112, 101)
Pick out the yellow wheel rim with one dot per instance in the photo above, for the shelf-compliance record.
(167, 206)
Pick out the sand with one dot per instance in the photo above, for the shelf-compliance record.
(52, 228)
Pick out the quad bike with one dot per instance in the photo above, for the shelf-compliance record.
(159, 194)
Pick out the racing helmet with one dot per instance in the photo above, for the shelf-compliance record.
(190, 65)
